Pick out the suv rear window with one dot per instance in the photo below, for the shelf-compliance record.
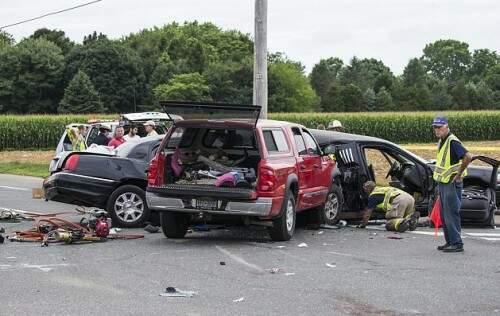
(275, 141)
(182, 137)
(229, 138)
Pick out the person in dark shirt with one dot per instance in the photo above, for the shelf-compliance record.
(451, 166)
(101, 138)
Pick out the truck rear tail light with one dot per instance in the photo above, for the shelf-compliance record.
(156, 169)
(71, 163)
(267, 180)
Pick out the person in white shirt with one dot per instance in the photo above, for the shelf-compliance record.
(150, 128)
(132, 134)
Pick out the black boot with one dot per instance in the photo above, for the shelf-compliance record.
(442, 247)
(454, 248)
(414, 221)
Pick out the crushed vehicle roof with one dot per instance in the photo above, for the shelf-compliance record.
(326, 137)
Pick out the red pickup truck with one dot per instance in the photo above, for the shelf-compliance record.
(221, 164)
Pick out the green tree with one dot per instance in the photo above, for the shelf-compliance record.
(80, 96)
(231, 82)
(331, 102)
(384, 101)
(492, 77)
(191, 47)
(57, 37)
(288, 88)
(6, 39)
(482, 61)
(9, 71)
(114, 69)
(91, 38)
(461, 95)
(480, 96)
(37, 86)
(184, 87)
(369, 99)
(447, 59)
(351, 98)
(414, 73)
(440, 98)
(324, 75)
(366, 73)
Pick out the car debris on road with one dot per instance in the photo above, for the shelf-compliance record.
(173, 292)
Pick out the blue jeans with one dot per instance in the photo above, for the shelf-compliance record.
(450, 195)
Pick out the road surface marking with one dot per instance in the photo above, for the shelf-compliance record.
(484, 234)
(240, 260)
(14, 188)
(490, 238)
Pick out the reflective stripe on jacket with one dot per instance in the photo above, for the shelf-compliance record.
(444, 170)
(389, 194)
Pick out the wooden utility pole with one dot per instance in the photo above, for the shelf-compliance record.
(260, 57)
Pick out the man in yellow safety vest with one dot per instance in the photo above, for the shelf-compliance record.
(399, 207)
(451, 166)
(77, 138)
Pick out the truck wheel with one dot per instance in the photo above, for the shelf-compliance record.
(174, 225)
(329, 213)
(284, 226)
(127, 206)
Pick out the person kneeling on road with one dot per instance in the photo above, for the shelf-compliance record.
(399, 207)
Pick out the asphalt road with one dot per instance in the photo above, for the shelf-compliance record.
(343, 271)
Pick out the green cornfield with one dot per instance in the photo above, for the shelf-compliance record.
(25, 132)
(405, 127)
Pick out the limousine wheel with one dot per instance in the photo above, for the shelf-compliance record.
(127, 206)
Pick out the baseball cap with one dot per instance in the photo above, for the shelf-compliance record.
(150, 122)
(440, 121)
(334, 124)
(105, 126)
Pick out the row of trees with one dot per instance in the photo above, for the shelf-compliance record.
(447, 76)
(48, 73)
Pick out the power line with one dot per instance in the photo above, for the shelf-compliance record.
(50, 13)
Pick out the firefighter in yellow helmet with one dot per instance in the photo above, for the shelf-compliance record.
(399, 207)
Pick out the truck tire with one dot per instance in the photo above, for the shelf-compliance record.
(174, 225)
(329, 213)
(284, 226)
(127, 206)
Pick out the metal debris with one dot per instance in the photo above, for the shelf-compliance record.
(241, 299)
(173, 292)
(302, 245)
(394, 237)
(330, 265)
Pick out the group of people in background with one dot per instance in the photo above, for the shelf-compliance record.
(77, 136)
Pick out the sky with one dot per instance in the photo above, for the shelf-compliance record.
(393, 31)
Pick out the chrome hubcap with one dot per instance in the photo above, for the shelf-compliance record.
(331, 206)
(129, 207)
(289, 216)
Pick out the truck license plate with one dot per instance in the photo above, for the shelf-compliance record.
(206, 204)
